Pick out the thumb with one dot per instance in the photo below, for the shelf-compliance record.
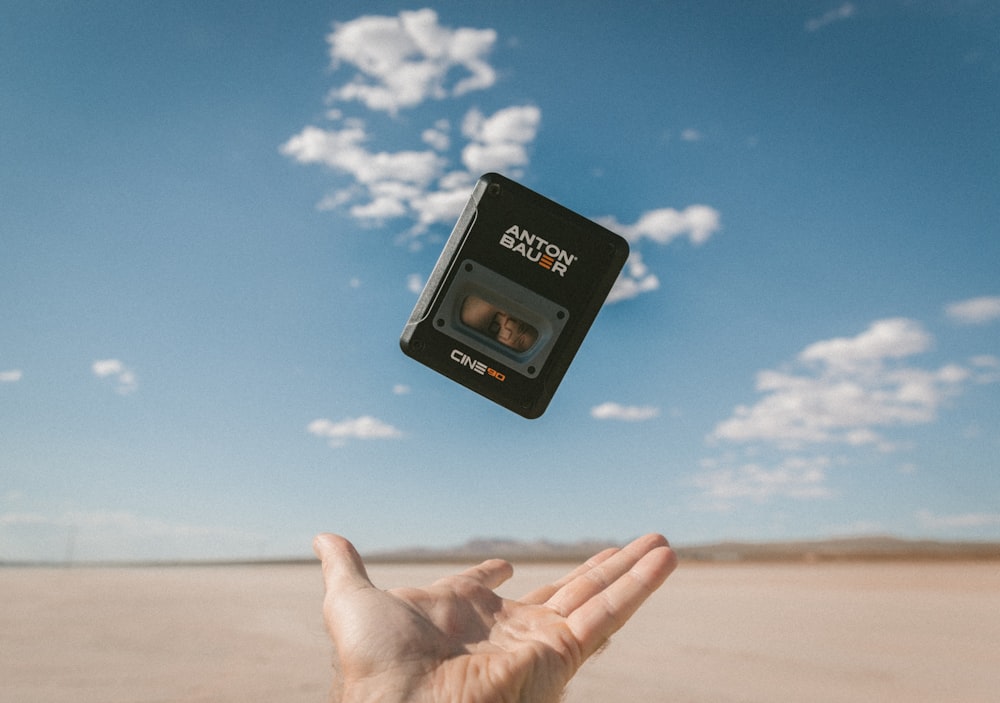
(342, 566)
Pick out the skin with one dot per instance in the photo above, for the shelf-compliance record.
(457, 641)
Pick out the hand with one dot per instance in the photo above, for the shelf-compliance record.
(458, 641)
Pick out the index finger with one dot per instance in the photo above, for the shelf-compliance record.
(605, 613)
(489, 574)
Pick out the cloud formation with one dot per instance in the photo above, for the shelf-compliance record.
(404, 60)
(125, 378)
(847, 390)
(627, 413)
(412, 183)
(634, 280)
(499, 142)
(723, 482)
(696, 222)
(11, 376)
(415, 283)
(661, 226)
(893, 338)
(401, 62)
(975, 311)
(838, 14)
(986, 368)
(364, 428)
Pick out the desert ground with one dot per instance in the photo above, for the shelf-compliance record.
(903, 631)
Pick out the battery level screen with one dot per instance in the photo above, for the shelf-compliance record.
(497, 324)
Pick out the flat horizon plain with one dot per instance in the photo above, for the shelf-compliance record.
(918, 631)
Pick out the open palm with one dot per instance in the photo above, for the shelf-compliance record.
(457, 640)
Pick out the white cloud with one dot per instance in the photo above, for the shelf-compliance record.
(337, 198)
(342, 150)
(415, 283)
(846, 390)
(403, 60)
(838, 14)
(445, 203)
(499, 142)
(365, 427)
(437, 137)
(697, 222)
(406, 59)
(892, 338)
(627, 413)
(11, 376)
(113, 368)
(107, 367)
(634, 280)
(382, 207)
(963, 520)
(794, 477)
(517, 125)
(399, 62)
(690, 135)
(401, 389)
(661, 226)
(975, 311)
(415, 183)
(986, 368)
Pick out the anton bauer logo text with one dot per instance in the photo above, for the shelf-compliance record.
(534, 248)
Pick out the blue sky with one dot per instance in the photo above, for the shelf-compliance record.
(216, 218)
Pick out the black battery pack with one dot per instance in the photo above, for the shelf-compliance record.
(513, 294)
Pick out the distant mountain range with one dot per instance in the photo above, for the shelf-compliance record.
(877, 548)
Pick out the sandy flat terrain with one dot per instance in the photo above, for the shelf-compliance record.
(825, 632)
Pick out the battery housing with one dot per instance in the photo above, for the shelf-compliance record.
(513, 294)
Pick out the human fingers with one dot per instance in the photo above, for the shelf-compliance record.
(587, 583)
(605, 613)
(543, 593)
(342, 566)
(490, 574)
